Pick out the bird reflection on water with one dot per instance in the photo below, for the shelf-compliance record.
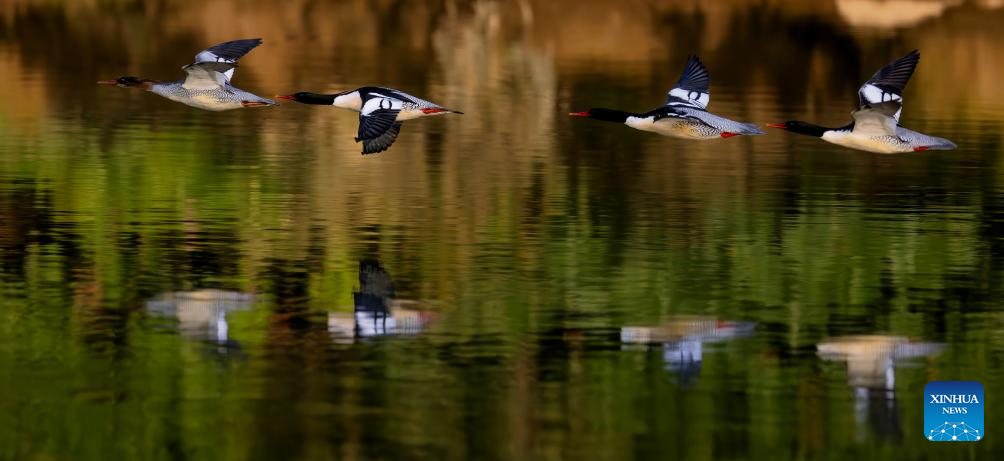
(376, 312)
(202, 314)
(682, 340)
(871, 372)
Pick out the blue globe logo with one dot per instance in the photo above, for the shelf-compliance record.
(954, 432)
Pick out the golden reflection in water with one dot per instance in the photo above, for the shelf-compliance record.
(871, 359)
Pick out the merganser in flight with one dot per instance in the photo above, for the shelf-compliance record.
(208, 83)
(381, 111)
(876, 121)
(684, 115)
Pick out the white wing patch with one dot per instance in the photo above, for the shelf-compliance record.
(680, 96)
(380, 102)
(875, 95)
(209, 56)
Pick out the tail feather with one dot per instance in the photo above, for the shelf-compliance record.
(924, 140)
(943, 144)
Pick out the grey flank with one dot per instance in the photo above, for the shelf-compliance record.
(720, 123)
(220, 98)
(920, 139)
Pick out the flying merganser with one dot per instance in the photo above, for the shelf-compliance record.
(684, 115)
(208, 83)
(876, 121)
(381, 111)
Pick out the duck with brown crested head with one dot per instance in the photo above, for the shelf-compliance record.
(876, 121)
(208, 83)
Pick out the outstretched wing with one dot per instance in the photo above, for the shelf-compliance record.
(887, 84)
(378, 125)
(378, 114)
(382, 142)
(374, 279)
(692, 88)
(375, 123)
(376, 287)
(227, 52)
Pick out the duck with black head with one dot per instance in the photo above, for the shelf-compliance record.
(684, 114)
(381, 112)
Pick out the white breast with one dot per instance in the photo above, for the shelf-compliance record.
(351, 101)
(642, 123)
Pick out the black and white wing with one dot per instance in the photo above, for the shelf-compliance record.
(886, 86)
(378, 127)
(382, 142)
(214, 66)
(692, 88)
(376, 288)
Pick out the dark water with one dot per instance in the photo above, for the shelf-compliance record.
(506, 284)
